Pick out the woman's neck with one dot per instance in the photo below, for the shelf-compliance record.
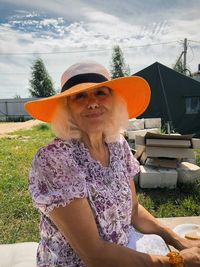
(97, 148)
(93, 141)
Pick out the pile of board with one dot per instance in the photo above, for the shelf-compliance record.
(166, 159)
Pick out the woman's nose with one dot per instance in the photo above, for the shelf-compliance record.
(92, 102)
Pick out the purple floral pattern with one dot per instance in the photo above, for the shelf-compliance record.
(64, 170)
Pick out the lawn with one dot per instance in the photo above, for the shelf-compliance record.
(19, 220)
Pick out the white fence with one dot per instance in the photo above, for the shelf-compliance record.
(13, 109)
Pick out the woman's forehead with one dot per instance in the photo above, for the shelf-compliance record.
(94, 90)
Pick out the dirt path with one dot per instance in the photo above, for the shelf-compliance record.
(9, 127)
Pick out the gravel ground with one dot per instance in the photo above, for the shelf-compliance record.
(8, 127)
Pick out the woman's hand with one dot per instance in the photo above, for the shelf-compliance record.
(191, 257)
(184, 243)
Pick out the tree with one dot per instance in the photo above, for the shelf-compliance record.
(41, 84)
(118, 66)
(17, 96)
(179, 67)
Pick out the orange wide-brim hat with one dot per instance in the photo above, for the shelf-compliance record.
(87, 76)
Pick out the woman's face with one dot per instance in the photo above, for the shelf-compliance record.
(91, 110)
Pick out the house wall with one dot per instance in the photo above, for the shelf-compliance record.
(13, 109)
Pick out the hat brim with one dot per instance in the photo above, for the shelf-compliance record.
(134, 89)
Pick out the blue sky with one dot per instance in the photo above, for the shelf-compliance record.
(63, 32)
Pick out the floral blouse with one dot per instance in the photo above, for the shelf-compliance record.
(64, 170)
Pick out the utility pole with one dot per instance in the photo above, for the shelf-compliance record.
(184, 54)
(182, 58)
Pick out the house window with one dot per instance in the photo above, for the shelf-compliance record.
(192, 105)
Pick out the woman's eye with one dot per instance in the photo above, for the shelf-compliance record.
(80, 96)
(100, 92)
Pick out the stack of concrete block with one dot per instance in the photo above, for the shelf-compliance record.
(141, 127)
(166, 159)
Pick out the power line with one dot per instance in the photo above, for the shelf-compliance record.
(195, 41)
(135, 46)
(23, 73)
(12, 84)
(51, 53)
(192, 53)
(82, 51)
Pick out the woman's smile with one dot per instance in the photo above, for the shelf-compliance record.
(94, 115)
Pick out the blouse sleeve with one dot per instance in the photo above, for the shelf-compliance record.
(133, 166)
(55, 180)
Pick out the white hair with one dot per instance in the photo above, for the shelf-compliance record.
(63, 127)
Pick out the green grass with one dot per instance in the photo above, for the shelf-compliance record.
(182, 201)
(19, 220)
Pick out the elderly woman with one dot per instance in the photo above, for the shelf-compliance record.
(82, 182)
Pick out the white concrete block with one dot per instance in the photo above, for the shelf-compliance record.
(157, 177)
(18, 254)
(188, 172)
(132, 134)
(135, 124)
(195, 142)
(152, 123)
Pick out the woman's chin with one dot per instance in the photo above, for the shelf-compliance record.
(94, 128)
(93, 131)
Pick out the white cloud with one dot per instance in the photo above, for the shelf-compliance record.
(70, 9)
(85, 29)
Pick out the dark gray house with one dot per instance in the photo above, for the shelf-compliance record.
(174, 97)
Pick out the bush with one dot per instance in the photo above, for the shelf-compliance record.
(42, 127)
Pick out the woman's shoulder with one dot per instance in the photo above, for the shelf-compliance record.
(120, 146)
(56, 148)
(55, 158)
(121, 141)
